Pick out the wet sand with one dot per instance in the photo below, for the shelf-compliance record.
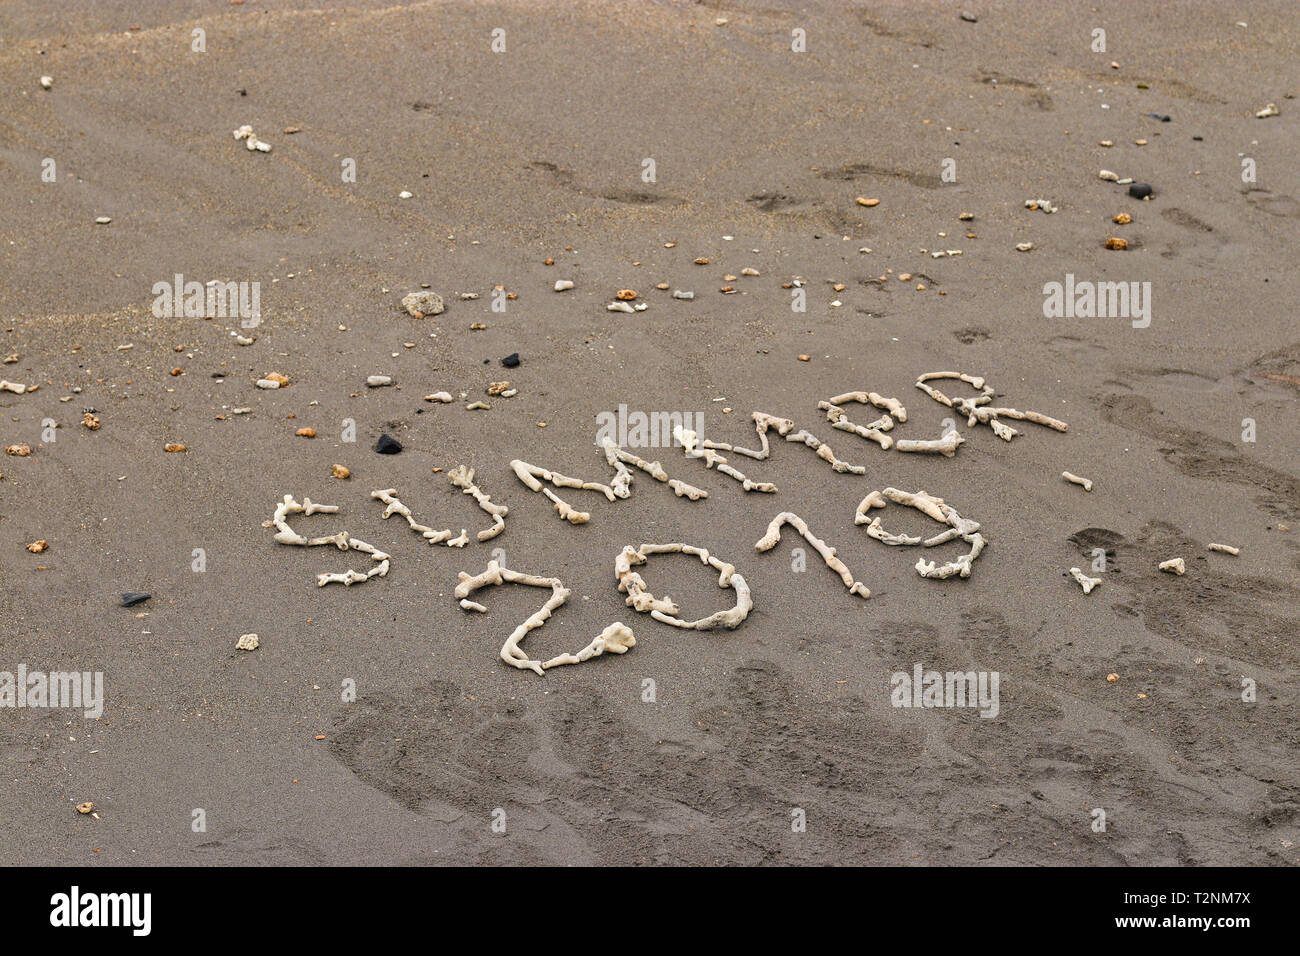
(518, 157)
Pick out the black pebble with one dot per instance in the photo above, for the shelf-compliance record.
(511, 360)
(388, 445)
(131, 598)
(1160, 116)
(1140, 190)
(1199, 139)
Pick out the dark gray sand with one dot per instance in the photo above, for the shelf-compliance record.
(535, 153)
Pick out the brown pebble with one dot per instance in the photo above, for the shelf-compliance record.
(18, 451)
(340, 471)
(306, 433)
(549, 262)
(178, 371)
(838, 287)
(36, 547)
(86, 807)
(626, 295)
(661, 285)
(173, 447)
(1114, 243)
(805, 358)
(277, 377)
(701, 261)
(862, 201)
(90, 421)
(1122, 218)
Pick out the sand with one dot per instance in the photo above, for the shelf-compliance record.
(537, 153)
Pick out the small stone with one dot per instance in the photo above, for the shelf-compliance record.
(497, 388)
(625, 295)
(563, 285)
(1139, 142)
(178, 371)
(679, 294)
(805, 358)
(267, 383)
(173, 447)
(1107, 143)
(966, 216)
(1269, 110)
(86, 807)
(378, 381)
(749, 272)
(132, 598)
(1122, 218)
(281, 380)
(662, 285)
(246, 642)
(306, 433)
(1109, 176)
(863, 201)
(404, 195)
(1174, 566)
(1141, 190)
(102, 220)
(511, 360)
(969, 17)
(388, 445)
(36, 547)
(340, 471)
(420, 304)
(1024, 246)
(90, 421)
(477, 326)
(1116, 243)
(1112, 678)
(478, 406)
(47, 82)
(11, 359)
(444, 397)
(702, 261)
